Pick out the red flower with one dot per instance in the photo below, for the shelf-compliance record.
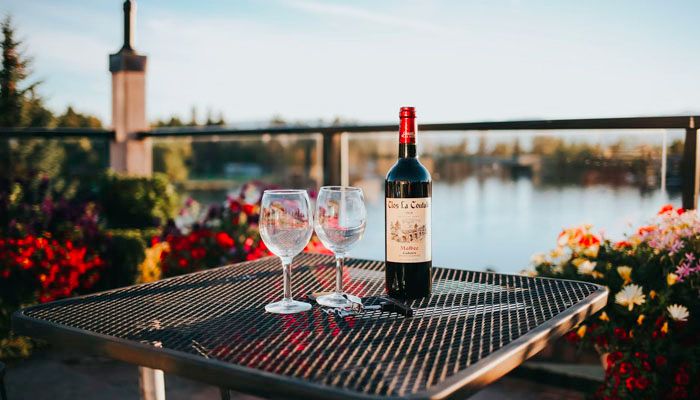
(198, 253)
(641, 355)
(666, 208)
(234, 206)
(572, 337)
(182, 262)
(641, 383)
(660, 361)
(646, 229)
(589, 240)
(625, 368)
(224, 240)
(630, 383)
(622, 244)
(620, 333)
(681, 378)
(248, 209)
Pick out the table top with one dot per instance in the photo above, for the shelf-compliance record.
(211, 326)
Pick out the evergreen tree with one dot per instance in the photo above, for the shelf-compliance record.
(14, 71)
(74, 119)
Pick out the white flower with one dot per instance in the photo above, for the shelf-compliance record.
(538, 259)
(678, 312)
(586, 267)
(630, 296)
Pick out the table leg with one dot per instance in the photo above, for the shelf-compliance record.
(225, 394)
(151, 384)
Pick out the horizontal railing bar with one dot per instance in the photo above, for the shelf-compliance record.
(674, 122)
(56, 133)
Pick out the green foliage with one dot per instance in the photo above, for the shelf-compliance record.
(173, 158)
(125, 251)
(136, 202)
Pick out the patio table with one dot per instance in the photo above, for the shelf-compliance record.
(211, 326)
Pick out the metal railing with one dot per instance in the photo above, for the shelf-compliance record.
(332, 143)
(56, 133)
(334, 163)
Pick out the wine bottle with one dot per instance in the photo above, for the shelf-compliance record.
(407, 197)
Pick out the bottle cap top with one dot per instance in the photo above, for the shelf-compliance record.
(407, 112)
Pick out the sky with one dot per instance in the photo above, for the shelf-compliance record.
(456, 61)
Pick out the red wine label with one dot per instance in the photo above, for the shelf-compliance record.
(408, 230)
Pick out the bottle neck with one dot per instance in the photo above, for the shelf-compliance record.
(407, 150)
(407, 137)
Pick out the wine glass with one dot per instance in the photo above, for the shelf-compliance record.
(285, 226)
(340, 222)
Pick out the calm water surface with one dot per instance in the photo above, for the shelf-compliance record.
(500, 224)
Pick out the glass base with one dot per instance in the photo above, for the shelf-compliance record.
(337, 300)
(287, 307)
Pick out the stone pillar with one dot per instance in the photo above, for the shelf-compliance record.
(128, 153)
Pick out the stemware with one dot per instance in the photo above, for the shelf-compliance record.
(286, 225)
(340, 222)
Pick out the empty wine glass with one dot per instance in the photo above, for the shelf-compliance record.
(285, 226)
(340, 223)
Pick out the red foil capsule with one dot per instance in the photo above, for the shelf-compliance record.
(407, 126)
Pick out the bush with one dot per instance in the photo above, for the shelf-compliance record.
(649, 332)
(54, 246)
(125, 251)
(136, 202)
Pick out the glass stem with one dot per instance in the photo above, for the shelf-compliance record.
(339, 262)
(287, 276)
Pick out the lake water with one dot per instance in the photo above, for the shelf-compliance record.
(498, 224)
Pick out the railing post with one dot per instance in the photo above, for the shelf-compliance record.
(332, 158)
(691, 177)
(127, 152)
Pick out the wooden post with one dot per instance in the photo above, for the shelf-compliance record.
(332, 158)
(691, 176)
(128, 153)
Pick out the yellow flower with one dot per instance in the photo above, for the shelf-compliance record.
(581, 332)
(604, 317)
(671, 279)
(592, 251)
(556, 253)
(630, 296)
(640, 319)
(664, 328)
(678, 312)
(652, 294)
(597, 275)
(149, 270)
(625, 273)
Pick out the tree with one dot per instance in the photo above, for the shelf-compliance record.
(74, 119)
(14, 71)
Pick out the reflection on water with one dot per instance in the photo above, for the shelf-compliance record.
(500, 224)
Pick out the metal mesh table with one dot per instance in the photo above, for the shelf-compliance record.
(211, 326)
